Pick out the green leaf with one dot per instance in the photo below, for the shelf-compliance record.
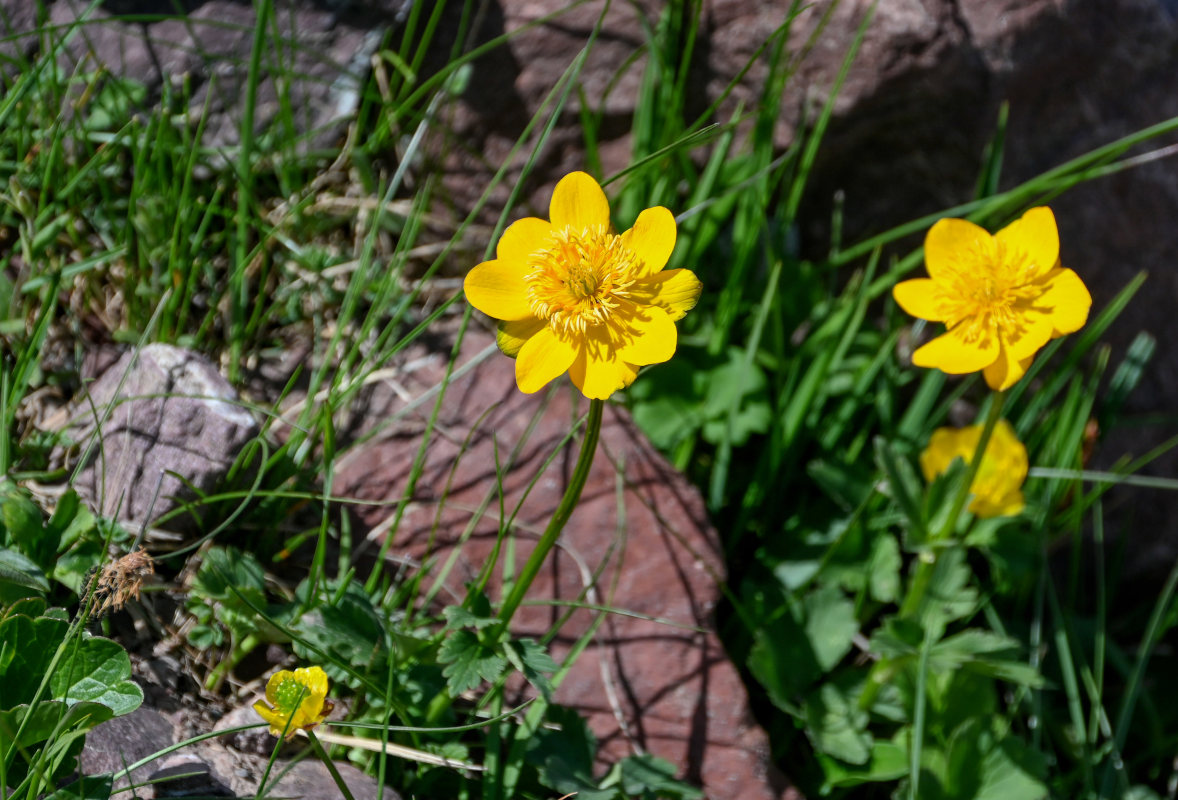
(740, 385)
(848, 485)
(19, 577)
(985, 766)
(90, 788)
(985, 652)
(837, 726)
(563, 753)
(646, 776)
(458, 617)
(48, 719)
(71, 520)
(96, 670)
(28, 645)
(468, 661)
(532, 659)
(830, 625)
(884, 569)
(888, 761)
(350, 629)
(906, 489)
(950, 596)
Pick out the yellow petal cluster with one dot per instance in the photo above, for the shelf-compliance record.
(294, 700)
(573, 296)
(997, 487)
(1001, 296)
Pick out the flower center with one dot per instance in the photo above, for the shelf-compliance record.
(579, 278)
(988, 287)
(289, 695)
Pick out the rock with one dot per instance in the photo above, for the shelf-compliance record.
(644, 685)
(311, 76)
(186, 775)
(122, 741)
(310, 779)
(158, 420)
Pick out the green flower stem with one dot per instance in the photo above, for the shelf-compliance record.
(572, 495)
(924, 573)
(914, 599)
(317, 746)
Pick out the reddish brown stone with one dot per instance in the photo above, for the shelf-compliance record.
(644, 685)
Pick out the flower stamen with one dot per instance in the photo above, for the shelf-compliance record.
(579, 278)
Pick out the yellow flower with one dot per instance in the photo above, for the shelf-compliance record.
(1002, 297)
(997, 487)
(298, 696)
(574, 296)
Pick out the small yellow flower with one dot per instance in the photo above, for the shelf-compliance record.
(997, 487)
(299, 697)
(1002, 297)
(574, 296)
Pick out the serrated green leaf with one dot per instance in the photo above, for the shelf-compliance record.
(458, 617)
(532, 659)
(468, 661)
(837, 726)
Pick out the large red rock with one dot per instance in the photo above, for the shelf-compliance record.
(639, 541)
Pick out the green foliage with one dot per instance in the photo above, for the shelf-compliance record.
(907, 650)
(59, 683)
(35, 551)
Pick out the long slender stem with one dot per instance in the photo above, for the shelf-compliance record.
(572, 494)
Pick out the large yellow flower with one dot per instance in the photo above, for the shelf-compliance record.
(1002, 297)
(997, 487)
(298, 697)
(574, 296)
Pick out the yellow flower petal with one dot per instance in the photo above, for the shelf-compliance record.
(542, 358)
(1026, 339)
(578, 203)
(654, 337)
(1006, 370)
(674, 290)
(1065, 300)
(652, 238)
(598, 376)
(955, 354)
(996, 485)
(919, 298)
(948, 241)
(1007, 505)
(510, 336)
(497, 288)
(523, 238)
(1034, 236)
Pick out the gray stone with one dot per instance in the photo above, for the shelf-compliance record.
(312, 71)
(160, 419)
(122, 741)
(186, 775)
